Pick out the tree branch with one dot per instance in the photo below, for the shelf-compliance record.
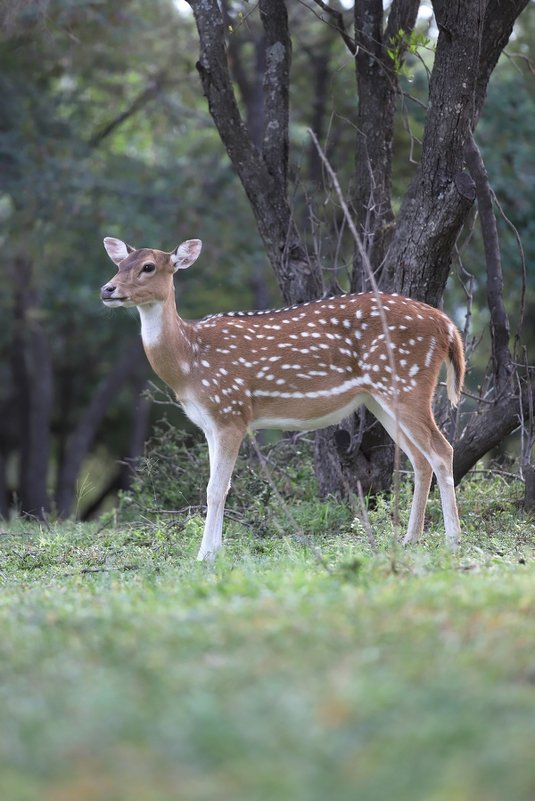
(485, 431)
(263, 176)
(149, 93)
(83, 435)
(499, 21)
(377, 91)
(338, 25)
(499, 321)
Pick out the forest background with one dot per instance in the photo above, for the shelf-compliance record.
(104, 130)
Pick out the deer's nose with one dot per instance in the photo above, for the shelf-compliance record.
(107, 290)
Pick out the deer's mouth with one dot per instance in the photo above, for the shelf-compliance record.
(114, 301)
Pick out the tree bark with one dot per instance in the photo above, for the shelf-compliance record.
(499, 321)
(472, 35)
(263, 173)
(377, 83)
(440, 195)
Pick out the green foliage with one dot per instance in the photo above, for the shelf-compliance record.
(129, 671)
(73, 70)
(403, 44)
(86, 152)
(172, 478)
(277, 495)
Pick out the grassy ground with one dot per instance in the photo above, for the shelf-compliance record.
(130, 672)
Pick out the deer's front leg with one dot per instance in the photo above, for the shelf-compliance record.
(223, 447)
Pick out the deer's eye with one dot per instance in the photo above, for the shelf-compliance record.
(148, 268)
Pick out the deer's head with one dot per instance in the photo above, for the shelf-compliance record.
(144, 276)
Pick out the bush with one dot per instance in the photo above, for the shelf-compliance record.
(276, 491)
(276, 495)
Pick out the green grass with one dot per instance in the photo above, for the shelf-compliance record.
(130, 672)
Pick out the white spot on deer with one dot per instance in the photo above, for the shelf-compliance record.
(429, 355)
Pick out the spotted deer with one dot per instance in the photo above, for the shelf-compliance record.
(302, 367)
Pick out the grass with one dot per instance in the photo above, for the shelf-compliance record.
(131, 672)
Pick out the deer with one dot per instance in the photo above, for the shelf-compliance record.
(301, 367)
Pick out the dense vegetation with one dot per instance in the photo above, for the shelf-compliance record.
(104, 130)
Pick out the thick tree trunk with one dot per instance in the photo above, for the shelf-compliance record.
(377, 84)
(413, 252)
(31, 369)
(263, 173)
(441, 193)
(472, 36)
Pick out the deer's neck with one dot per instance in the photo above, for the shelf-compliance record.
(167, 343)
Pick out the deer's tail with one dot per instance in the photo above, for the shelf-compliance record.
(455, 366)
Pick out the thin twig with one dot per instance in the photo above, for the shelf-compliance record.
(365, 519)
(297, 533)
(338, 24)
(384, 323)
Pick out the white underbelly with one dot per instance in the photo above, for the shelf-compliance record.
(311, 424)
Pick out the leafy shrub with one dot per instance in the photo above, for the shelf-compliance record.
(273, 486)
(275, 493)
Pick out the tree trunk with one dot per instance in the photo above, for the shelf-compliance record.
(412, 252)
(377, 84)
(472, 34)
(263, 173)
(123, 477)
(4, 500)
(31, 369)
(82, 437)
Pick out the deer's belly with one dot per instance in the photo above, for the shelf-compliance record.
(299, 415)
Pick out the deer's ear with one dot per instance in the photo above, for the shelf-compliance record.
(116, 249)
(185, 254)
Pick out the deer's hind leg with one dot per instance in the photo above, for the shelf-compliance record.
(420, 428)
(423, 472)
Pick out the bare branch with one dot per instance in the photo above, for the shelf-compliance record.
(153, 89)
(388, 341)
(485, 431)
(338, 24)
(498, 315)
